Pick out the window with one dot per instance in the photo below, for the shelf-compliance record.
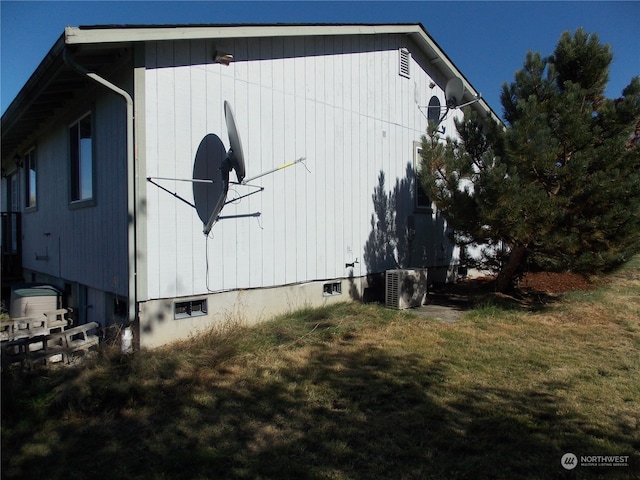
(334, 288)
(422, 200)
(190, 308)
(405, 61)
(81, 148)
(433, 114)
(11, 230)
(14, 193)
(30, 178)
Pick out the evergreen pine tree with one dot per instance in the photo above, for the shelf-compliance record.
(559, 185)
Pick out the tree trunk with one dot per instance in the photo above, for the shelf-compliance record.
(505, 277)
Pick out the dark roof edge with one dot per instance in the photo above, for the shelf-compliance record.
(52, 57)
(255, 24)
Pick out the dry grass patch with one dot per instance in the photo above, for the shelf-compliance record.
(348, 392)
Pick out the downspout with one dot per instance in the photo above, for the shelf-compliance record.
(131, 179)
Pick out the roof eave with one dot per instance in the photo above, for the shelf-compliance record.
(112, 35)
(446, 66)
(42, 73)
(88, 35)
(124, 33)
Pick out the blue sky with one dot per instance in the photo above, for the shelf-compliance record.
(486, 40)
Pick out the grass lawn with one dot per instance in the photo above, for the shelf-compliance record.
(349, 392)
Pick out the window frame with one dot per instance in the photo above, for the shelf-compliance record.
(30, 162)
(417, 186)
(75, 164)
(432, 107)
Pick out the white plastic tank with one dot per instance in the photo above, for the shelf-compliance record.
(33, 300)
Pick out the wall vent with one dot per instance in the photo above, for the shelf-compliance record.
(190, 308)
(404, 63)
(405, 288)
(333, 288)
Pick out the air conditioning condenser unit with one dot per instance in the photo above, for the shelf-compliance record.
(405, 288)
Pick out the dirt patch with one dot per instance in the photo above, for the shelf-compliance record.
(448, 302)
(442, 313)
(554, 283)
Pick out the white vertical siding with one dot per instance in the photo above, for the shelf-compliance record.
(313, 222)
(200, 94)
(338, 101)
(168, 131)
(85, 245)
(152, 166)
(301, 182)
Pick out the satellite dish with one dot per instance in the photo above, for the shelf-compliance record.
(210, 164)
(235, 154)
(211, 169)
(453, 92)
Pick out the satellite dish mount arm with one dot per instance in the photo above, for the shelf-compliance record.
(444, 115)
(232, 163)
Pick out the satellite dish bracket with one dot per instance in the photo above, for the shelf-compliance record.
(150, 180)
(446, 111)
(260, 189)
(233, 164)
(273, 170)
(192, 180)
(440, 119)
(454, 91)
(477, 99)
(240, 215)
(233, 160)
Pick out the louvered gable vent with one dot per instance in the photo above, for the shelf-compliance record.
(405, 60)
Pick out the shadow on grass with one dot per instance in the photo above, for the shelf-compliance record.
(467, 295)
(354, 412)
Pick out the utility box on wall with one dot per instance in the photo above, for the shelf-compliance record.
(405, 288)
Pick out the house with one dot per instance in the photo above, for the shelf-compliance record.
(101, 147)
